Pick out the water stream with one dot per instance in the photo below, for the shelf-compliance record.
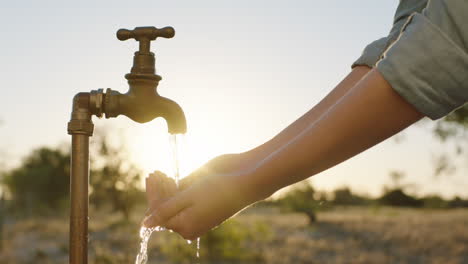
(176, 157)
(145, 233)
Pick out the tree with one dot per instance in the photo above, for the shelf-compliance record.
(344, 196)
(396, 177)
(457, 202)
(115, 181)
(434, 201)
(398, 197)
(452, 128)
(301, 198)
(395, 195)
(41, 181)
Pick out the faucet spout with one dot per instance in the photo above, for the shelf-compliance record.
(142, 104)
(174, 116)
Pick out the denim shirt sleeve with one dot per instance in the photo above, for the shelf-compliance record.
(428, 63)
(373, 52)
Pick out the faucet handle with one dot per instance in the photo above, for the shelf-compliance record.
(145, 35)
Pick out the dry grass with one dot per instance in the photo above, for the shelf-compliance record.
(343, 235)
(362, 235)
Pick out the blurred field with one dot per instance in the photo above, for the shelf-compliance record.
(261, 235)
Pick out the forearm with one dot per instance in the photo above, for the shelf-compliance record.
(259, 153)
(368, 114)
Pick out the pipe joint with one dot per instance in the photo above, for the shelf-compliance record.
(96, 102)
(83, 127)
(111, 103)
(80, 122)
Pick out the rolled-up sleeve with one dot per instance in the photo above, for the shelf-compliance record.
(372, 53)
(428, 63)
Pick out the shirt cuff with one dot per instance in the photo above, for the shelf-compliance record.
(371, 54)
(427, 68)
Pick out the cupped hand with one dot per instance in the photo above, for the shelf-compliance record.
(159, 188)
(207, 197)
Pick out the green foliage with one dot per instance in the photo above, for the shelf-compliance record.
(102, 255)
(344, 196)
(434, 202)
(41, 181)
(228, 241)
(453, 125)
(397, 197)
(231, 241)
(301, 198)
(176, 249)
(114, 180)
(457, 202)
(452, 128)
(456, 120)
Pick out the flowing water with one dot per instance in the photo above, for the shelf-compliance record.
(145, 233)
(176, 155)
(198, 248)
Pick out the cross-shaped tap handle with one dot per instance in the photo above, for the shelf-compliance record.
(145, 35)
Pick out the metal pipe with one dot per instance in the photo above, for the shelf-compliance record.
(79, 199)
(80, 128)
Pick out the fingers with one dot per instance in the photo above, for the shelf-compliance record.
(161, 214)
(151, 191)
(159, 188)
(170, 186)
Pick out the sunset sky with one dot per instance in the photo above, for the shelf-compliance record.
(241, 70)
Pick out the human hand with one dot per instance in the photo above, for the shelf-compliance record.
(159, 188)
(220, 165)
(208, 198)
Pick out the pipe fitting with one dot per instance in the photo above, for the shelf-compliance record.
(111, 103)
(96, 102)
(82, 127)
(80, 122)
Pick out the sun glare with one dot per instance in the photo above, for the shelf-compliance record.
(151, 150)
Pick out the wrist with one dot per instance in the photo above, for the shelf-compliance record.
(251, 189)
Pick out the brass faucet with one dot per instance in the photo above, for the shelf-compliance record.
(141, 103)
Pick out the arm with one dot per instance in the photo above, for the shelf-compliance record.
(371, 55)
(228, 163)
(369, 113)
(311, 116)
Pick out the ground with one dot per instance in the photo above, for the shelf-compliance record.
(341, 235)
